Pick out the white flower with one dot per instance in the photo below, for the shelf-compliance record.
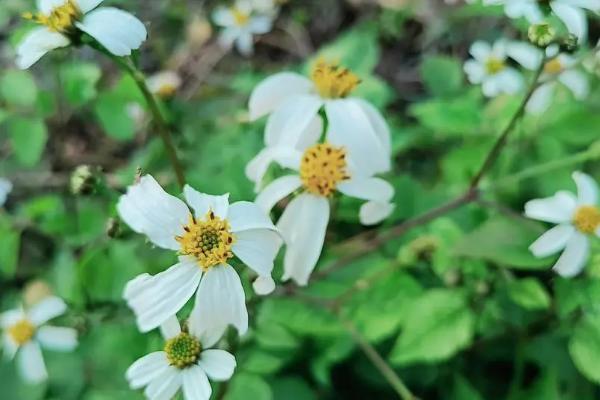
(323, 170)
(489, 66)
(62, 20)
(560, 69)
(185, 363)
(164, 84)
(205, 241)
(578, 219)
(26, 331)
(570, 12)
(241, 22)
(294, 102)
(5, 188)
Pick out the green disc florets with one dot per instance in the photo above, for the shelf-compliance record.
(183, 350)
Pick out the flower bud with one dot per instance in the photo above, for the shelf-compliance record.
(570, 44)
(541, 34)
(84, 180)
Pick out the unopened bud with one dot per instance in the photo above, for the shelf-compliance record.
(541, 34)
(570, 44)
(84, 180)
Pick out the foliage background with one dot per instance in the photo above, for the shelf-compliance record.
(459, 308)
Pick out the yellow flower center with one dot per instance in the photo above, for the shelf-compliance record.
(587, 219)
(61, 18)
(21, 332)
(323, 166)
(209, 240)
(240, 17)
(553, 67)
(333, 81)
(493, 65)
(166, 91)
(183, 350)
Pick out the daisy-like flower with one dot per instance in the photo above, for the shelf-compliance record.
(164, 84)
(205, 240)
(490, 66)
(294, 101)
(323, 169)
(186, 362)
(64, 21)
(570, 12)
(241, 23)
(25, 332)
(578, 219)
(6, 187)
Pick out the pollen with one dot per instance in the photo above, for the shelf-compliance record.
(333, 81)
(322, 168)
(240, 17)
(494, 65)
(60, 19)
(553, 67)
(208, 240)
(21, 332)
(587, 219)
(183, 350)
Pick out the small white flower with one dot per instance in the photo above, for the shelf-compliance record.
(578, 219)
(186, 363)
(570, 12)
(322, 169)
(241, 22)
(118, 31)
(164, 84)
(26, 331)
(489, 66)
(294, 102)
(205, 242)
(5, 188)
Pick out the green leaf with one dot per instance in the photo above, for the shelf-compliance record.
(9, 250)
(79, 82)
(28, 137)
(529, 294)
(459, 115)
(246, 386)
(292, 389)
(442, 75)
(18, 88)
(584, 347)
(111, 110)
(463, 390)
(436, 326)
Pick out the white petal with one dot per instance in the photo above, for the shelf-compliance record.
(475, 71)
(156, 299)
(9, 347)
(303, 225)
(195, 384)
(541, 99)
(491, 86)
(524, 8)
(244, 215)
(552, 241)
(373, 212)
(170, 328)
(263, 285)
(310, 136)
(574, 18)
(367, 189)
(88, 5)
(381, 128)
(245, 44)
(575, 256)
(286, 157)
(480, 51)
(202, 203)
(146, 369)
(260, 24)
(57, 338)
(47, 309)
(271, 93)
(118, 31)
(349, 126)
(257, 249)
(556, 209)
(218, 364)
(6, 187)
(151, 211)
(510, 81)
(587, 189)
(9, 318)
(290, 123)
(577, 82)
(220, 302)
(31, 363)
(499, 49)
(592, 5)
(525, 54)
(164, 386)
(276, 191)
(222, 16)
(37, 43)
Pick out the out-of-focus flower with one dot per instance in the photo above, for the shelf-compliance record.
(323, 169)
(84, 180)
(63, 21)
(164, 84)
(294, 101)
(205, 241)
(241, 22)
(186, 362)
(26, 331)
(6, 187)
(578, 219)
(198, 31)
